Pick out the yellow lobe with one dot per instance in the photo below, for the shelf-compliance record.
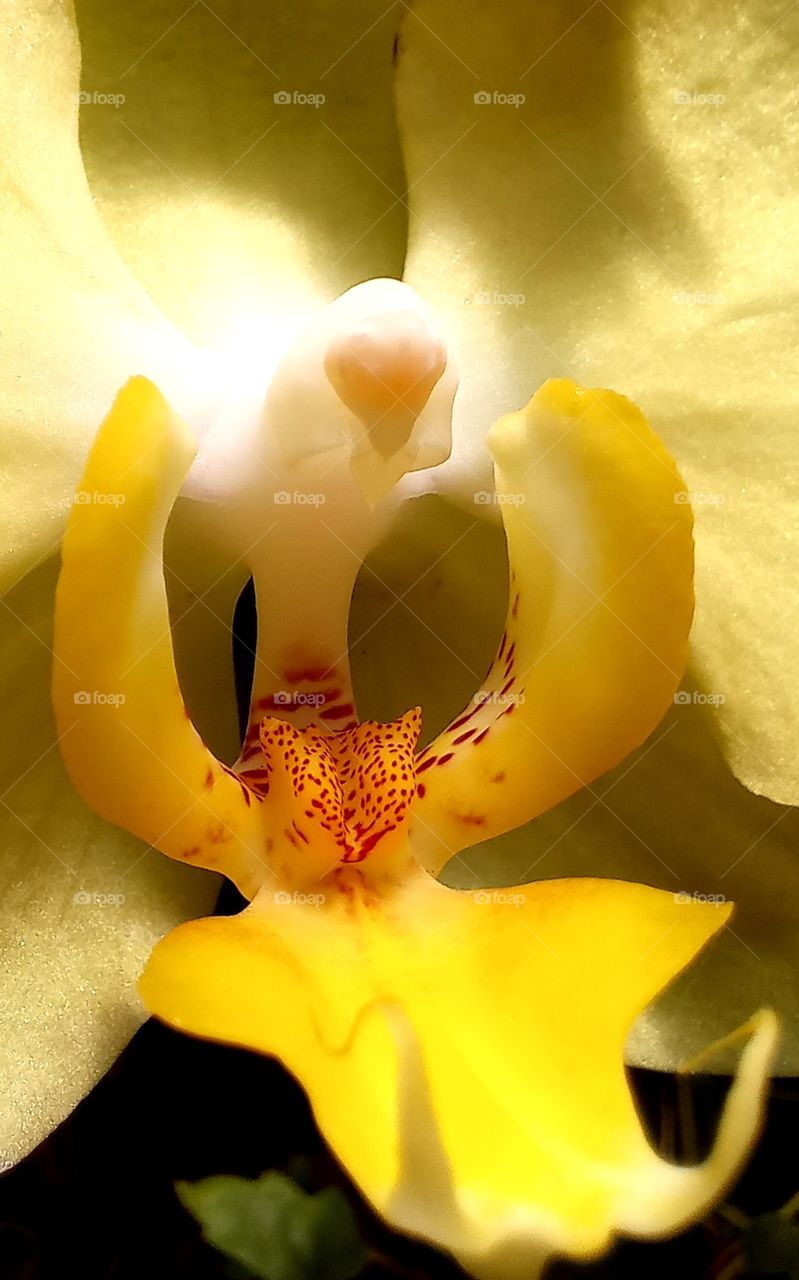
(125, 735)
(463, 1053)
(600, 551)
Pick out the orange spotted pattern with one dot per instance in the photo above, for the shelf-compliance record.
(348, 788)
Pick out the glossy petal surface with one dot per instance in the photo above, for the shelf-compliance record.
(594, 196)
(442, 1039)
(596, 635)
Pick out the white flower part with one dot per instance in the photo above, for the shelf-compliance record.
(370, 370)
(302, 488)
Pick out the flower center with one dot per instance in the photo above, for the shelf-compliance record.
(345, 792)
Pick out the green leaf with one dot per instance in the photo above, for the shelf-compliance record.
(275, 1229)
(771, 1246)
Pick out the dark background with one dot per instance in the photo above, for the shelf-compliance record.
(97, 1199)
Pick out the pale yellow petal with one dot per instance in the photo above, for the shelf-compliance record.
(83, 903)
(253, 168)
(75, 323)
(597, 196)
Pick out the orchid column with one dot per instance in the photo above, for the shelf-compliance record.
(305, 491)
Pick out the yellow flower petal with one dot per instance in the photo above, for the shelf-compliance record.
(600, 604)
(632, 226)
(83, 903)
(126, 737)
(253, 169)
(399, 1000)
(75, 323)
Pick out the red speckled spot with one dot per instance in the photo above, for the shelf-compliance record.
(338, 713)
(307, 675)
(356, 784)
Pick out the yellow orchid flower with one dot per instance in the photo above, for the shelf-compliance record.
(441, 1036)
(238, 217)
